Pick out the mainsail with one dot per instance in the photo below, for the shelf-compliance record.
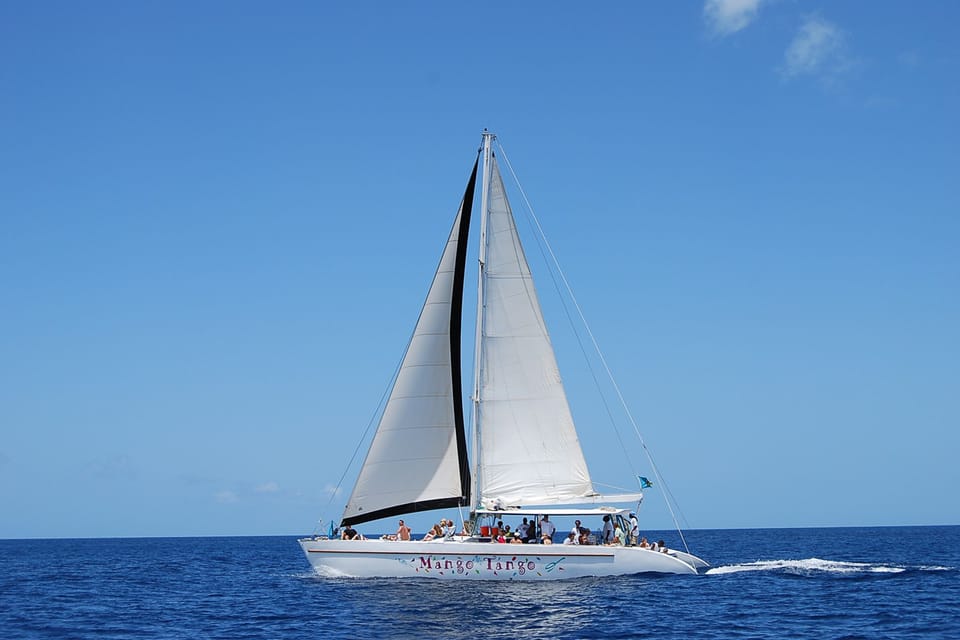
(418, 460)
(529, 451)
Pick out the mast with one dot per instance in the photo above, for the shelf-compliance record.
(487, 149)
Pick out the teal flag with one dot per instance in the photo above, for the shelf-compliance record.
(644, 483)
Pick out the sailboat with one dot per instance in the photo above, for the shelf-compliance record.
(527, 460)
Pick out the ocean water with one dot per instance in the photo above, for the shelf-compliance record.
(891, 582)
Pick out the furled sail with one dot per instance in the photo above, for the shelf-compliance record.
(417, 460)
(529, 451)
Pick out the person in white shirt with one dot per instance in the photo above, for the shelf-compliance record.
(571, 538)
(634, 529)
(523, 530)
(546, 528)
(575, 532)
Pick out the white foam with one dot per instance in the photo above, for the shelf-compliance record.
(807, 566)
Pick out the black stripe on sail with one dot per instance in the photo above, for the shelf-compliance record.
(402, 509)
(456, 320)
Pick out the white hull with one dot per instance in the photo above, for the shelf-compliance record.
(456, 560)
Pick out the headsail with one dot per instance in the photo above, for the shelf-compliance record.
(418, 459)
(529, 451)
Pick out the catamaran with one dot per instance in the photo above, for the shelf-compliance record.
(526, 456)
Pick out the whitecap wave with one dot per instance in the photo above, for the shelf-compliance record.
(809, 566)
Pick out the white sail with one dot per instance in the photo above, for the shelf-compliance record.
(415, 461)
(529, 451)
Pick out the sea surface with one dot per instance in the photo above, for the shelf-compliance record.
(890, 582)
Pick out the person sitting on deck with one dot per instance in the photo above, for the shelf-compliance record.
(571, 538)
(576, 534)
(662, 545)
(584, 535)
(449, 530)
(644, 544)
(349, 533)
(403, 533)
(434, 532)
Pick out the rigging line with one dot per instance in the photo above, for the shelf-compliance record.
(583, 350)
(541, 241)
(596, 345)
(373, 418)
(615, 487)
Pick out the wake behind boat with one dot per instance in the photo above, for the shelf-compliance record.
(527, 460)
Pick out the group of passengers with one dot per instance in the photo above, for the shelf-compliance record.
(612, 533)
(525, 533)
(444, 529)
(659, 545)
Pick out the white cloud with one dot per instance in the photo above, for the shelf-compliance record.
(331, 490)
(817, 49)
(725, 17)
(268, 487)
(226, 497)
(112, 467)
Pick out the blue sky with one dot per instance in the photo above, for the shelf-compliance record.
(218, 223)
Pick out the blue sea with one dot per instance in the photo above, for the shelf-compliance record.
(890, 582)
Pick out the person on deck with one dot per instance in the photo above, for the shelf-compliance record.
(530, 533)
(619, 536)
(576, 533)
(435, 531)
(403, 533)
(634, 529)
(547, 529)
(606, 535)
(349, 533)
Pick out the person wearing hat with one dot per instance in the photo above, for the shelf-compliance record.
(634, 529)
